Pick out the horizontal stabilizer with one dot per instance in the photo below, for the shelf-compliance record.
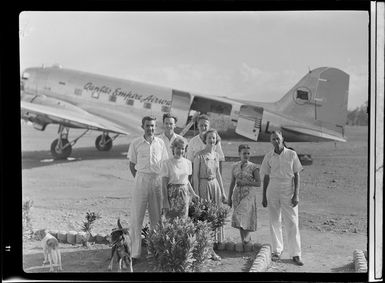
(313, 133)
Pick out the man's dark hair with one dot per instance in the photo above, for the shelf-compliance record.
(168, 115)
(148, 118)
(203, 117)
(278, 132)
(243, 146)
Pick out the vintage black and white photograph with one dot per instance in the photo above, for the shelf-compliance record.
(206, 141)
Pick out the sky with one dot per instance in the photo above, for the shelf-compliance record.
(249, 55)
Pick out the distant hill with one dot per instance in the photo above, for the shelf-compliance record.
(358, 116)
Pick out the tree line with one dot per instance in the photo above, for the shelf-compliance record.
(358, 116)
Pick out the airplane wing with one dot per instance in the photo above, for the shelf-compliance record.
(42, 115)
(311, 132)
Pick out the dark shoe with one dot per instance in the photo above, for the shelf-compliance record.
(297, 260)
(275, 256)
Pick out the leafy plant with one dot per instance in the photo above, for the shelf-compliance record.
(87, 225)
(204, 210)
(178, 245)
(27, 224)
(144, 233)
(204, 244)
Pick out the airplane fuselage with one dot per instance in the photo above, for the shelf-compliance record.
(126, 102)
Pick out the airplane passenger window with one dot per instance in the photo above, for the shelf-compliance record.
(78, 91)
(147, 105)
(95, 95)
(165, 108)
(130, 102)
(112, 98)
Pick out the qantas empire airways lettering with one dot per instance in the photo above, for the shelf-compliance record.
(125, 94)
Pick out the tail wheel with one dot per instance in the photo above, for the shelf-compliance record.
(103, 144)
(61, 152)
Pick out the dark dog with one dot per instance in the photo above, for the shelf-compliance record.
(121, 248)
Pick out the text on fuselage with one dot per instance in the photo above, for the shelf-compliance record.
(125, 94)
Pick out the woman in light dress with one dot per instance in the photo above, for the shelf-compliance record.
(243, 194)
(177, 191)
(207, 179)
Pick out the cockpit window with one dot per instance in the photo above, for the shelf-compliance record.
(25, 76)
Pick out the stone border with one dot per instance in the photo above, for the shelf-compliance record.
(262, 260)
(260, 264)
(360, 261)
(73, 237)
(231, 246)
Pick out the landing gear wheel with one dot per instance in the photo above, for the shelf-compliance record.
(103, 146)
(60, 153)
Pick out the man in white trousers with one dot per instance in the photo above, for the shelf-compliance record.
(146, 153)
(280, 171)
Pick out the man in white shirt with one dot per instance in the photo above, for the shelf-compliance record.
(146, 153)
(197, 143)
(168, 135)
(280, 171)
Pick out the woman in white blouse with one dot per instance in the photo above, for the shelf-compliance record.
(176, 188)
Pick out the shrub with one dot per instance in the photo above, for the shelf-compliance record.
(27, 225)
(87, 225)
(178, 245)
(204, 210)
(144, 233)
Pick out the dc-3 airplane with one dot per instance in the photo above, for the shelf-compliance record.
(315, 109)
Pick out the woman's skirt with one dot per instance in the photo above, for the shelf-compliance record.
(179, 199)
(244, 201)
(209, 189)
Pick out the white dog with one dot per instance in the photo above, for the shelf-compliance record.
(51, 250)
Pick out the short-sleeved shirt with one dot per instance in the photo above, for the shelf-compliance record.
(281, 166)
(168, 142)
(177, 170)
(196, 144)
(146, 156)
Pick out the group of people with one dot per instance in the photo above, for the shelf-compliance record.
(169, 172)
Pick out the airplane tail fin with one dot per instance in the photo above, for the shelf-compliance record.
(321, 98)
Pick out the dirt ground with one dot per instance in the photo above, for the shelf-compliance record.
(332, 209)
